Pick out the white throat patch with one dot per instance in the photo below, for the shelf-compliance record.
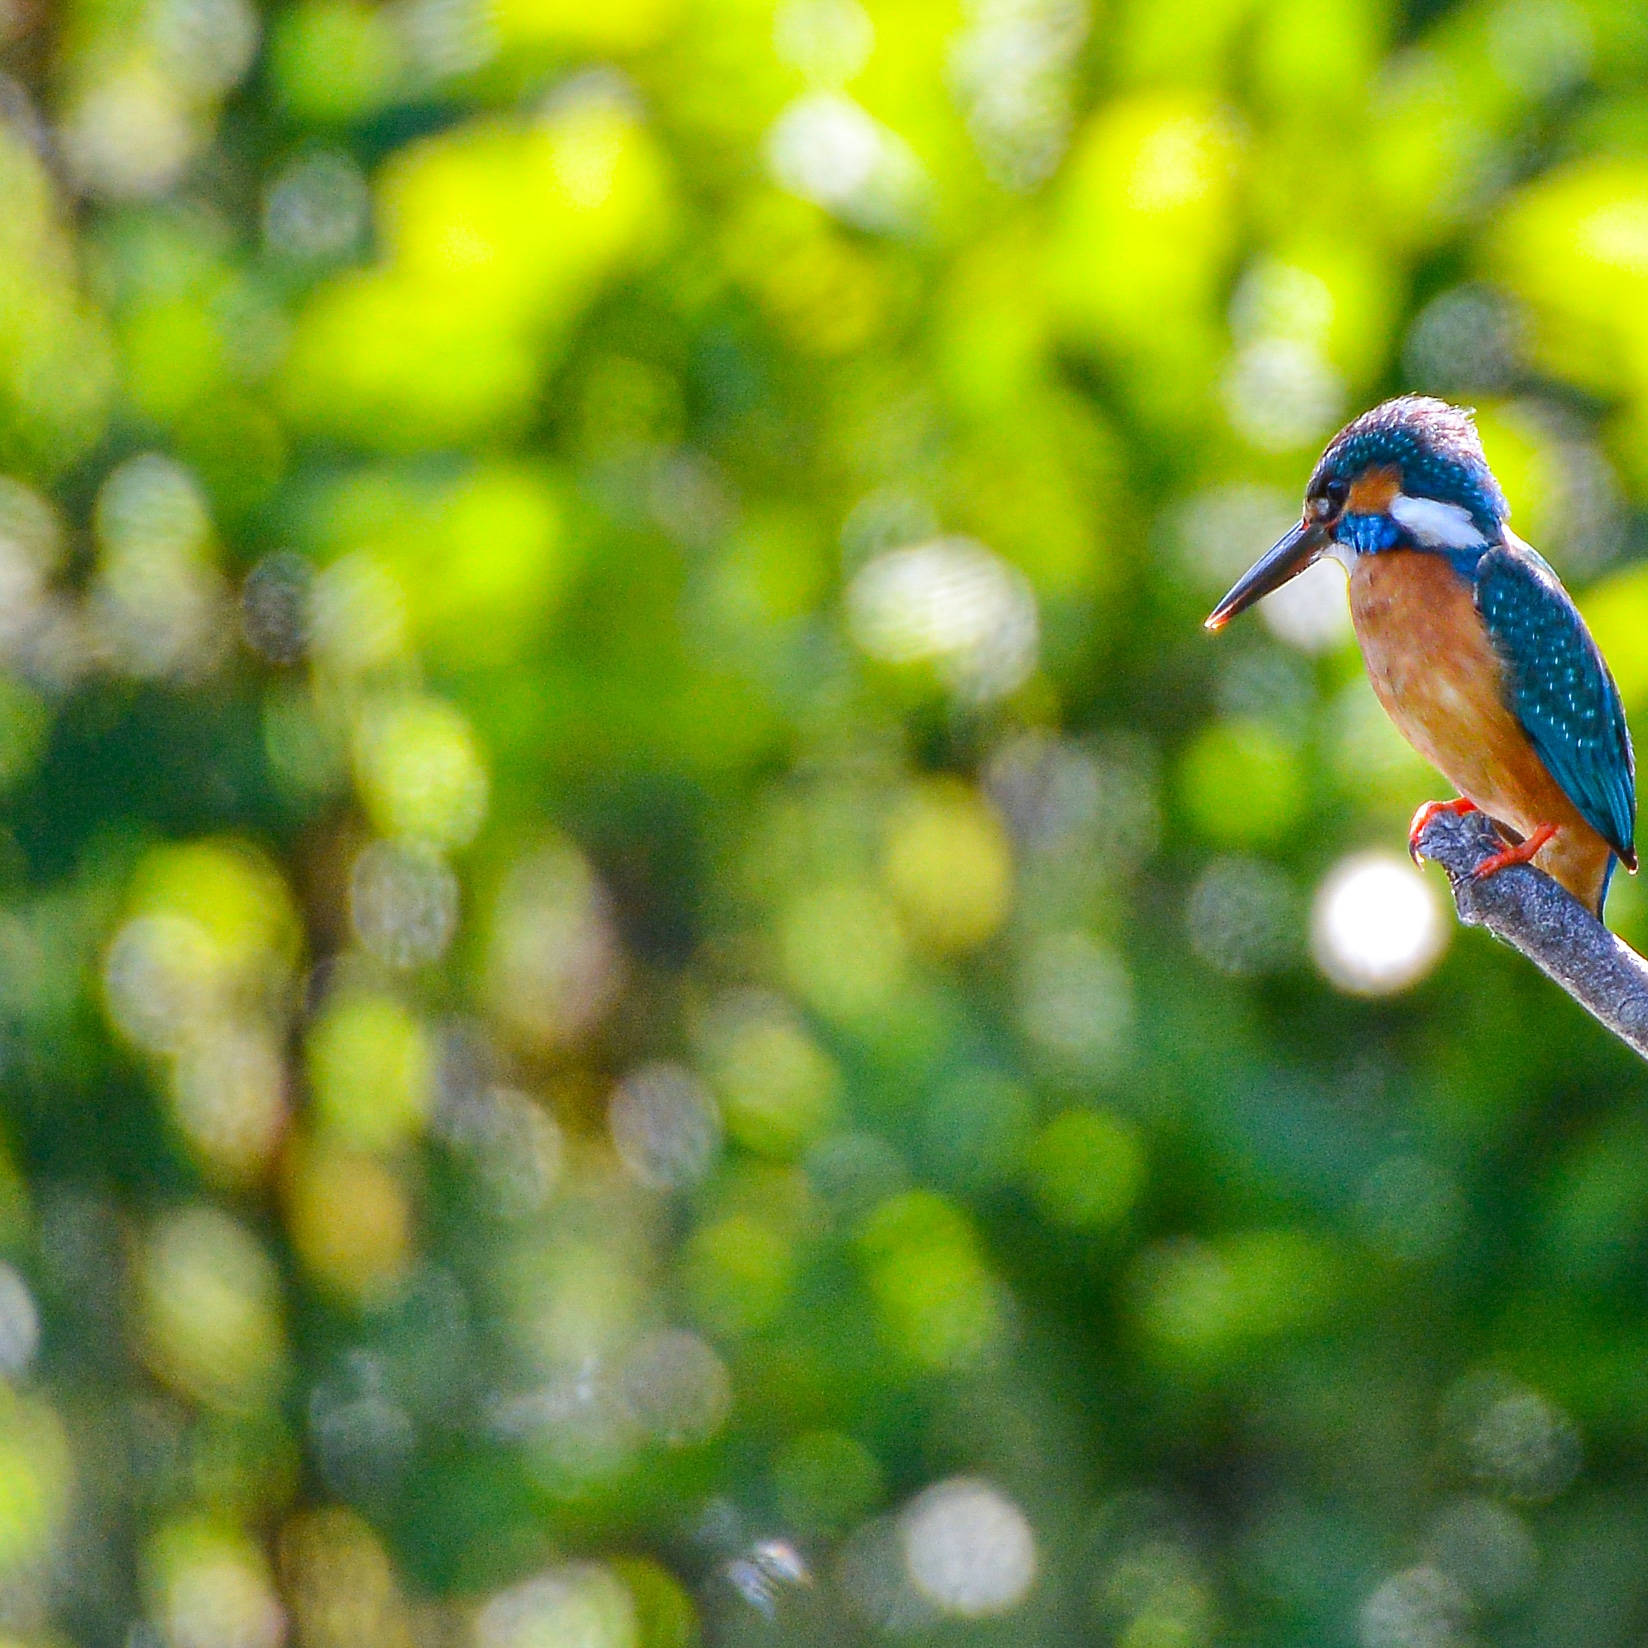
(1435, 524)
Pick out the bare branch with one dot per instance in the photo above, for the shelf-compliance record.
(1531, 913)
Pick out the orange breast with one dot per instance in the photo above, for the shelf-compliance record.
(1431, 664)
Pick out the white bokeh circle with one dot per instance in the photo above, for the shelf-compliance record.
(968, 1549)
(1377, 926)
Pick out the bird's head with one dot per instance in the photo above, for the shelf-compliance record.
(1410, 474)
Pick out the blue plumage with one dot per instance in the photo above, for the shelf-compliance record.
(1560, 689)
(1368, 534)
(1433, 444)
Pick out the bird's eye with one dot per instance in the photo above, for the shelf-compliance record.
(1327, 503)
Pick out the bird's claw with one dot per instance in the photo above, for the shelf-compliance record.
(1521, 853)
(1459, 806)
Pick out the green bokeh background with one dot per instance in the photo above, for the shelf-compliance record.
(636, 924)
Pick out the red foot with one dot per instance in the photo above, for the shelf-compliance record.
(1520, 854)
(1459, 806)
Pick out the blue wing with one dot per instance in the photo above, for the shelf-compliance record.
(1560, 689)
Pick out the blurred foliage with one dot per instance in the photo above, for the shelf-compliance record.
(653, 989)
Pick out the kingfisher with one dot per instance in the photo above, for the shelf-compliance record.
(1473, 646)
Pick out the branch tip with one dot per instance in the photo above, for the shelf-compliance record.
(1527, 910)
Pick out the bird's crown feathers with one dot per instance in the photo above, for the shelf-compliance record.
(1434, 447)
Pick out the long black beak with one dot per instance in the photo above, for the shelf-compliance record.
(1288, 557)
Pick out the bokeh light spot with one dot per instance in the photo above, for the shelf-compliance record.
(1417, 1608)
(403, 901)
(1311, 612)
(1087, 1169)
(213, 1588)
(371, 1071)
(676, 1387)
(739, 1272)
(949, 867)
(554, 966)
(36, 1478)
(315, 209)
(1076, 1001)
(19, 1323)
(421, 773)
(1200, 1302)
(939, 1304)
(274, 607)
(951, 603)
(350, 1220)
(341, 1585)
(968, 1548)
(229, 1098)
(210, 1310)
(1376, 925)
(1484, 1546)
(844, 951)
(1242, 917)
(583, 1605)
(827, 149)
(665, 1125)
(1512, 1438)
(779, 1089)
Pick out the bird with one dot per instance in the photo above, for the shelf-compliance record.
(1473, 647)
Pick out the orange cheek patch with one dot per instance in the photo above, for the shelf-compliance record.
(1371, 493)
